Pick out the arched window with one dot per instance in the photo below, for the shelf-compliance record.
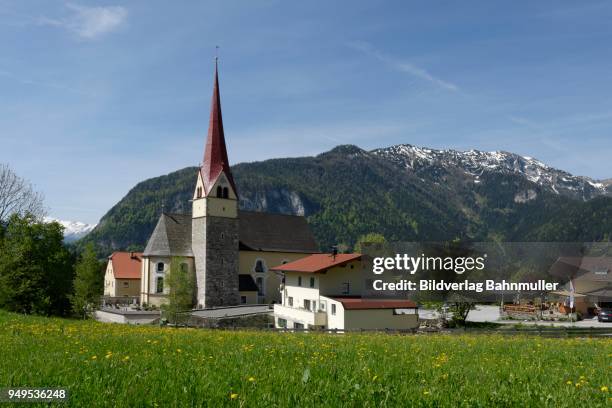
(260, 266)
(160, 267)
(219, 191)
(225, 192)
(260, 286)
(160, 285)
(199, 192)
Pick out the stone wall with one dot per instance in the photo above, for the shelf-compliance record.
(215, 247)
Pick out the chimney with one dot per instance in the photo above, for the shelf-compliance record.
(334, 252)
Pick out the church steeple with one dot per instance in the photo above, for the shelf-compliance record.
(214, 218)
(215, 156)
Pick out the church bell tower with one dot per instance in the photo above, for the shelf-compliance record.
(214, 225)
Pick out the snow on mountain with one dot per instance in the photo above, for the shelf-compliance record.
(73, 230)
(474, 163)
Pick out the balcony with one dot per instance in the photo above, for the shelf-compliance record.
(300, 315)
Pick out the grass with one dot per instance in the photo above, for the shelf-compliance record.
(116, 365)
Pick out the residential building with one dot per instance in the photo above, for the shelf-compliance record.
(588, 281)
(323, 291)
(122, 277)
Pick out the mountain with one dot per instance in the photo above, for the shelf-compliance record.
(474, 163)
(73, 230)
(404, 192)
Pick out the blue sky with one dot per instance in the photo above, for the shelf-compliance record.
(97, 96)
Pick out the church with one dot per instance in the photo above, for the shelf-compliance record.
(229, 250)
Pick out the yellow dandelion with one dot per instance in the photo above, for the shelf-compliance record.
(251, 379)
(233, 396)
(126, 358)
(179, 350)
(425, 392)
(604, 389)
(569, 382)
(374, 378)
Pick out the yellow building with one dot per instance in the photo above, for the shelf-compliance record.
(324, 291)
(122, 277)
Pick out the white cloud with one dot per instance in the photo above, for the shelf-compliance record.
(403, 66)
(90, 22)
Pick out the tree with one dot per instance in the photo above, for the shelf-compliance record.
(17, 196)
(460, 311)
(88, 283)
(181, 291)
(36, 269)
(371, 238)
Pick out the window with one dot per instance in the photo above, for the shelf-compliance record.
(282, 322)
(312, 282)
(260, 266)
(243, 300)
(290, 301)
(225, 192)
(126, 284)
(333, 311)
(346, 288)
(184, 267)
(219, 191)
(160, 285)
(404, 312)
(160, 267)
(322, 305)
(306, 304)
(299, 281)
(260, 286)
(199, 192)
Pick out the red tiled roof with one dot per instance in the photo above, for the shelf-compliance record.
(352, 303)
(126, 265)
(215, 155)
(317, 263)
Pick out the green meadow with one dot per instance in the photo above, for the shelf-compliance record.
(105, 365)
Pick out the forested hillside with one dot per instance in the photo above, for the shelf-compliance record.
(348, 192)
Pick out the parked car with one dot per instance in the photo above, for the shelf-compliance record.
(604, 315)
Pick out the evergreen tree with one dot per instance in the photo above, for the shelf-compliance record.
(88, 283)
(181, 291)
(36, 269)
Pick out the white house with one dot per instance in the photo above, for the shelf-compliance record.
(324, 291)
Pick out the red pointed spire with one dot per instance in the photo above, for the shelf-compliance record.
(215, 155)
